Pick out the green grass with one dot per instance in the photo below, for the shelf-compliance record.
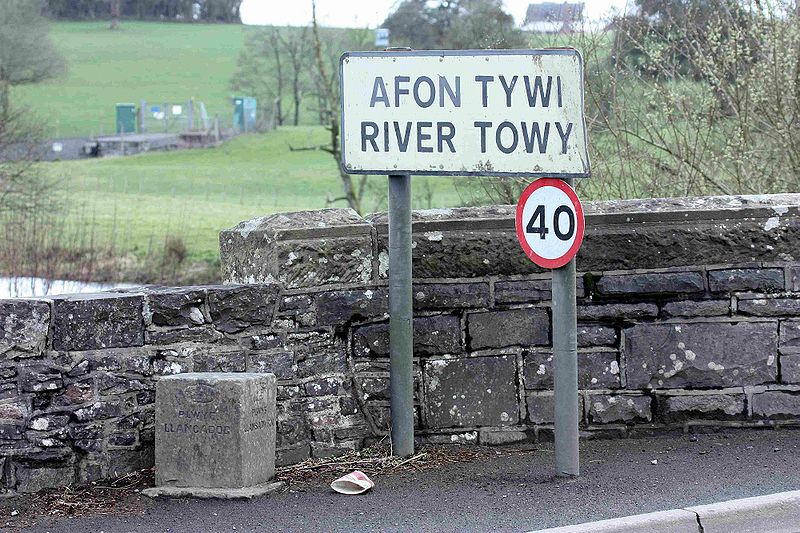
(134, 202)
(152, 61)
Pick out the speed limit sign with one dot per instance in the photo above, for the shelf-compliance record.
(549, 222)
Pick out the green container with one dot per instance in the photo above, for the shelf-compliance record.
(126, 119)
(244, 113)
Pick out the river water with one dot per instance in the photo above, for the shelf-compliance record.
(21, 287)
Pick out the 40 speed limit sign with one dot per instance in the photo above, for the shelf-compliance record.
(549, 222)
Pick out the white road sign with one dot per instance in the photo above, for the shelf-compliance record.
(549, 222)
(467, 112)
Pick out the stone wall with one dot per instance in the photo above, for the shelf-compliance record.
(689, 320)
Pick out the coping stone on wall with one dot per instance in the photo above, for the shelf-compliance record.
(299, 249)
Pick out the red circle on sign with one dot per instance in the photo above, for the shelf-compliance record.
(579, 223)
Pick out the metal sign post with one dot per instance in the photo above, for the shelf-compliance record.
(473, 113)
(550, 228)
(401, 341)
(565, 368)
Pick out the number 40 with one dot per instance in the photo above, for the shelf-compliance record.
(540, 228)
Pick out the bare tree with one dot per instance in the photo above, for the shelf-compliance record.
(272, 58)
(275, 48)
(26, 53)
(116, 9)
(26, 56)
(328, 98)
(294, 43)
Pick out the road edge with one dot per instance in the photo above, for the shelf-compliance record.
(777, 513)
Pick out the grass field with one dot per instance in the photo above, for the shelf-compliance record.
(134, 202)
(156, 62)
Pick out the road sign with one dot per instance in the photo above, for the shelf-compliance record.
(549, 222)
(475, 113)
(464, 112)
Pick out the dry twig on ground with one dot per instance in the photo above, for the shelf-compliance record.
(377, 460)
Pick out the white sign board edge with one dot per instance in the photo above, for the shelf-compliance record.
(468, 160)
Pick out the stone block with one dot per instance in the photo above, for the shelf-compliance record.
(450, 295)
(121, 462)
(177, 307)
(267, 341)
(219, 359)
(236, 308)
(278, 362)
(651, 283)
(296, 303)
(769, 307)
(40, 378)
(325, 361)
(291, 430)
(515, 327)
(468, 437)
(528, 291)
(480, 391)
(293, 455)
(489, 437)
(776, 404)
(541, 407)
(205, 334)
(215, 430)
(23, 328)
(594, 335)
(618, 408)
(13, 409)
(432, 335)
(300, 249)
(746, 279)
(326, 450)
(715, 406)
(794, 278)
(94, 321)
(617, 311)
(790, 334)
(36, 477)
(167, 366)
(74, 394)
(339, 307)
(596, 370)
(323, 386)
(790, 368)
(12, 431)
(718, 354)
(100, 411)
(692, 308)
(523, 291)
(115, 385)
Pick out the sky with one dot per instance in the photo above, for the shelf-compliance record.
(370, 13)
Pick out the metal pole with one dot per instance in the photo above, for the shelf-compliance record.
(565, 368)
(401, 341)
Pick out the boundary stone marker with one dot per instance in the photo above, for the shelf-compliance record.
(215, 435)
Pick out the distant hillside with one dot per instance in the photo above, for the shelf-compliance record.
(155, 61)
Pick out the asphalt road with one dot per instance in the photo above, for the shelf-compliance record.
(506, 492)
